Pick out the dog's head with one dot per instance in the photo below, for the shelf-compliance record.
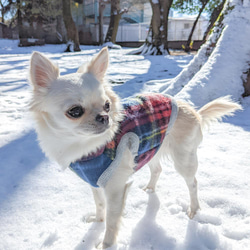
(74, 107)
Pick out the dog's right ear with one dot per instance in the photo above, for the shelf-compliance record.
(42, 71)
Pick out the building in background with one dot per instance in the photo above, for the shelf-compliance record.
(134, 24)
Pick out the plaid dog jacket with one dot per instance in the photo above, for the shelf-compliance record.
(147, 119)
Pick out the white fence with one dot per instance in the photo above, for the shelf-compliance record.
(138, 32)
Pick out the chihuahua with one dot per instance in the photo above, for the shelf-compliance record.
(82, 124)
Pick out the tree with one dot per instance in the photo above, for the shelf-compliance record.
(5, 6)
(37, 16)
(157, 40)
(176, 84)
(118, 8)
(211, 7)
(72, 32)
(101, 10)
(216, 8)
(19, 20)
(226, 53)
(203, 5)
(115, 16)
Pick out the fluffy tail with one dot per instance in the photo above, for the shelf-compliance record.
(215, 110)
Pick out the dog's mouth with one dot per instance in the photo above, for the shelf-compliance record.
(102, 129)
(96, 128)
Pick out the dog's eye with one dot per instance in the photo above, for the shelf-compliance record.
(75, 112)
(107, 106)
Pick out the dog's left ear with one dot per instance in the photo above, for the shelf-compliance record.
(99, 64)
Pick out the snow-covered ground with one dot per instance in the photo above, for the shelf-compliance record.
(44, 207)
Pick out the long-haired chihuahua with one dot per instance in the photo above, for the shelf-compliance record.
(82, 124)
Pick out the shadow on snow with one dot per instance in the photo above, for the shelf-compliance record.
(20, 157)
(163, 73)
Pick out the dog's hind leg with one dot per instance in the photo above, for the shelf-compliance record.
(183, 141)
(194, 203)
(155, 170)
(187, 169)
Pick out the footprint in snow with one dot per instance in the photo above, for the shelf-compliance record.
(204, 218)
(51, 239)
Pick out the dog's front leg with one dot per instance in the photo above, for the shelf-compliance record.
(116, 192)
(116, 199)
(99, 198)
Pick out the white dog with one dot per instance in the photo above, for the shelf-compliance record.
(82, 124)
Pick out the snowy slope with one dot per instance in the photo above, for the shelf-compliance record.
(42, 207)
(224, 68)
(221, 74)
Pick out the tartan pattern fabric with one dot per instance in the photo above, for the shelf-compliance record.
(146, 115)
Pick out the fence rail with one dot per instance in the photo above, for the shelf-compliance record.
(139, 32)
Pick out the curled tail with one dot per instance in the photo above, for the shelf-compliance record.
(215, 110)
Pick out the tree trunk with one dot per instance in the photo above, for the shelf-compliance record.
(115, 17)
(2, 12)
(187, 47)
(157, 40)
(214, 16)
(156, 23)
(246, 83)
(101, 10)
(159, 26)
(19, 20)
(38, 32)
(72, 32)
(166, 6)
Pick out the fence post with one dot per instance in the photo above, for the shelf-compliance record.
(95, 10)
(140, 32)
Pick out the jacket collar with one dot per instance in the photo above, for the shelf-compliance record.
(92, 155)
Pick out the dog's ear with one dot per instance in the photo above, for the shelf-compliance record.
(99, 64)
(42, 71)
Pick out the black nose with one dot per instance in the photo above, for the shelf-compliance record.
(104, 119)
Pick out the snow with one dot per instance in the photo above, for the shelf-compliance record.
(222, 72)
(111, 45)
(155, 1)
(44, 207)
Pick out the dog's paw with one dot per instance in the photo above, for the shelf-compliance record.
(149, 189)
(93, 218)
(191, 212)
(102, 245)
(99, 246)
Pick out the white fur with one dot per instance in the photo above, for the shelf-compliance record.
(65, 140)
